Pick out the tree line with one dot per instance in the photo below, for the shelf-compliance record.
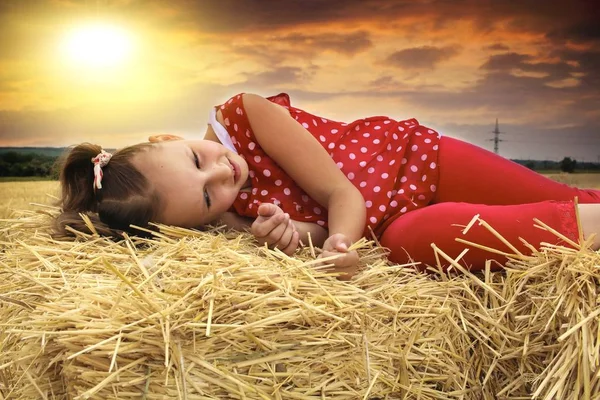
(22, 164)
(18, 164)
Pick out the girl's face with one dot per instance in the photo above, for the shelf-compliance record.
(198, 180)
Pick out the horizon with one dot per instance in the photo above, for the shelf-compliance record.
(454, 67)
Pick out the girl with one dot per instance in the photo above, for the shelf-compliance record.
(285, 173)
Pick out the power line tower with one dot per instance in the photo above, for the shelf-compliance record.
(496, 138)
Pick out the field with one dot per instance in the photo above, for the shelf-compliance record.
(20, 195)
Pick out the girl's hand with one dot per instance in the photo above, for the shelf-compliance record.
(275, 228)
(347, 263)
(163, 138)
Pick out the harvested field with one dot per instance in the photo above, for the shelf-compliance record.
(209, 315)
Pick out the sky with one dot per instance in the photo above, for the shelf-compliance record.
(455, 65)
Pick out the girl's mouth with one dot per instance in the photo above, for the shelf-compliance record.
(236, 171)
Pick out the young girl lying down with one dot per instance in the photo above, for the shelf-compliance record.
(285, 173)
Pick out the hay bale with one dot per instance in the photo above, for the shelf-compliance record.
(208, 315)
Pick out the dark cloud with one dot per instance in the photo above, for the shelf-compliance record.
(426, 57)
(280, 76)
(497, 47)
(278, 48)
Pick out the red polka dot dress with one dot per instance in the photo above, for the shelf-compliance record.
(392, 163)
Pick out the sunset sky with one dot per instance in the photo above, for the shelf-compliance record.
(456, 66)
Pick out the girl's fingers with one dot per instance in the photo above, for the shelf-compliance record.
(293, 245)
(286, 237)
(262, 227)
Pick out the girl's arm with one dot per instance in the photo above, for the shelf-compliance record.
(308, 164)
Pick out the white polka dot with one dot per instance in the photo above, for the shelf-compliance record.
(393, 203)
(233, 140)
(363, 184)
(379, 158)
(376, 189)
(389, 194)
(427, 140)
(340, 165)
(331, 146)
(239, 111)
(264, 192)
(251, 145)
(287, 191)
(251, 174)
(317, 210)
(366, 134)
(413, 187)
(244, 196)
(305, 198)
(227, 123)
(430, 131)
(334, 131)
(367, 123)
(401, 129)
(356, 127)
(363, 149)
(382, 208)
(257, 159)
(388, 147)
(342, 147)
(414, 147)
(322, 138)
(404, 161)
(254, 190)
(320, 222)
(424, 178)
(376, 141)
(413, 168)
(267, 173)
(351, 175)
(371, 170)
(305, 125)
(418, 134)
(368, 203)
(421, 197)
(362, 163)
(424, 157)
(384, 175)
(395, 137)
(373, 220)
(324, 120)
(403, 209)
(354, 141)
(314, 122)
(433, 188)
(399, 149)
(247, 133)
(278, 182)
(235, 127)
(352, 156)
(392, 162)
(387, 121)
(377, 127)
(435, 147)
(401, 191)
(403, 179)
(432, 165)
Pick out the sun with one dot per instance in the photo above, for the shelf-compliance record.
(98, 45)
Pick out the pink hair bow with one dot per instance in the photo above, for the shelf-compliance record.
(100, 162)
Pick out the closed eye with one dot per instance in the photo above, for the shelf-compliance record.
(206, 195)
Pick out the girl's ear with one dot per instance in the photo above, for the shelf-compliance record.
(163, 138)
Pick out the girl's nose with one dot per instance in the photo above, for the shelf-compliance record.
(220, 172)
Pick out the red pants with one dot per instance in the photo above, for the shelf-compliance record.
(505, 194)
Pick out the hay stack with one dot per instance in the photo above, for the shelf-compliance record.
(210, 316)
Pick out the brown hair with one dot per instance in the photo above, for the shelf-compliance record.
(126, 198)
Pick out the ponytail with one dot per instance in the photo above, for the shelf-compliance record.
(126, 197)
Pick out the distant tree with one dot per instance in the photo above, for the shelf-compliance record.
(530, 164)
(568, 165)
